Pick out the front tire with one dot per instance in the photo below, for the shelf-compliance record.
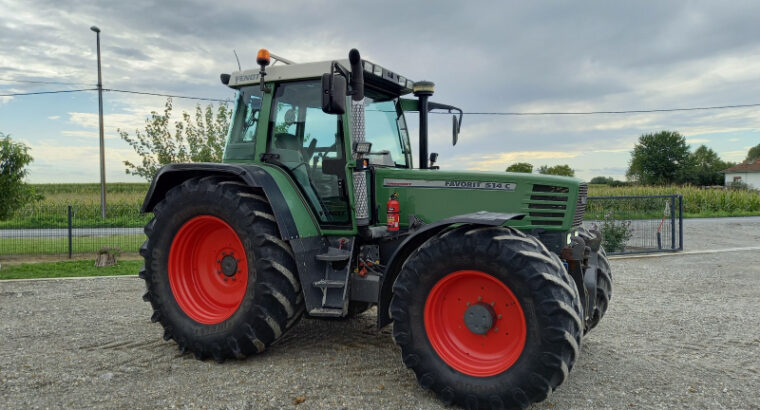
(603, 289)
(486, 317)
(219, 278)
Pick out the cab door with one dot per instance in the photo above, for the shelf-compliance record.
(308, 143)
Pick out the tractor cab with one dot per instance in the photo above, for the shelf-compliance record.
(280, 118)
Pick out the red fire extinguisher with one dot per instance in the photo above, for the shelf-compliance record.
(394, 208)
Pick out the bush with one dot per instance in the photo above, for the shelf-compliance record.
(738, 185)
(615, 233)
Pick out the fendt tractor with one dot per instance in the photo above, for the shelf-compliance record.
(489, 279)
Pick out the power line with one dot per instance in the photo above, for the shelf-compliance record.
(507, 113)
(167, 95)
(48, 92)
(11, 80)
(714, 107)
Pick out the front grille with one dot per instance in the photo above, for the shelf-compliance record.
(548, 204)
(551, 188)
(580, 207)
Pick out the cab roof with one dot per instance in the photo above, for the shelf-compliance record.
(374, 75)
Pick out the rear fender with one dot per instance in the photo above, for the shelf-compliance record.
(276, 192)
(416, 239)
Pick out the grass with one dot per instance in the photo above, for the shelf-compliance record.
(67, 269)
(79, 244)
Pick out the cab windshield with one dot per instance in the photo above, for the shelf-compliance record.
(386, 130)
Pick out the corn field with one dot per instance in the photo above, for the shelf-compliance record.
(697, 202)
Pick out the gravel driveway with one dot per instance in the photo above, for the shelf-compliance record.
(682, 331)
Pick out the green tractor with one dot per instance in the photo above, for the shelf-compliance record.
(488, 278)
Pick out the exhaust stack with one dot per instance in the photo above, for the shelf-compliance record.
(358, 135)
(423, 90)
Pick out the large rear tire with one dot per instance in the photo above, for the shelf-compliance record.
(486, 318)
(219, 278)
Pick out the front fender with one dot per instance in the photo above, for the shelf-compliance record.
(416, 239)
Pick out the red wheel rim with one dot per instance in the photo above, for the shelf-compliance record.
(479, 355)
(208, 269)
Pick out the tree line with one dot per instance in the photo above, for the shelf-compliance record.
(661, 158)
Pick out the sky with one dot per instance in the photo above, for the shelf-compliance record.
(564, 56)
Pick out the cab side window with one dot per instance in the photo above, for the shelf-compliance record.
(245, 119)
(309, 143)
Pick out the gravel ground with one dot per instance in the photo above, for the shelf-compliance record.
(682, 331)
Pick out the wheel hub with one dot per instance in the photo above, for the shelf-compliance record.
(475, 323)
(229, 265)
(208, 269)
(479, 318)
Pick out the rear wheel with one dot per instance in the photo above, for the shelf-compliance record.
(486, 317)
(219, 278)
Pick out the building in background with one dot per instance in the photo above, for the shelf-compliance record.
(747, 172)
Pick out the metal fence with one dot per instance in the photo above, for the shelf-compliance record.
(638, 224)
(67, 231)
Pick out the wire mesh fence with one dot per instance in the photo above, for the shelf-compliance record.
(639, 223)
(66, 231)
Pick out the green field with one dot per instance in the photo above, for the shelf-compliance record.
(697, 202)
(123, 207)
(67, 269)
(89, 194)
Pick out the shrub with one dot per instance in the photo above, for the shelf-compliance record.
(615, 233)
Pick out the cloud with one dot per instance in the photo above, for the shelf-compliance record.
(491, 162)
(54, 117)
(697, 140)
(495, 56)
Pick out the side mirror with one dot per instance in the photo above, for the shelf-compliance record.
(454, 129)
(333, 94)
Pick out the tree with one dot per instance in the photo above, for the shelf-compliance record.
(201, 140)
(520, 167)
(562, 170)
(601, 180)
(705, 167)
(14, 157)
(658, 159)
(753, 152)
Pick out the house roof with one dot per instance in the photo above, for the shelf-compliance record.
(746, 166)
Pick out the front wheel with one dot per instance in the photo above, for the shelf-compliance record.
(486, 317)
(603, 289)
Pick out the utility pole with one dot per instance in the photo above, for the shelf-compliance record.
(102, 144)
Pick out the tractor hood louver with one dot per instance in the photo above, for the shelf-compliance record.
(548, 205)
